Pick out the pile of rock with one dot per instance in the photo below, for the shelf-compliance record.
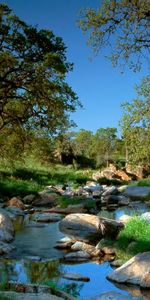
(83, 233)
(112, 172)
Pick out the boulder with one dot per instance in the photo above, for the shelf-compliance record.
(137, 192)
(46, 217)
(89, 228)
(29, 199)
(16, 202)
(46, 199)
(6, 227)
(133, 271)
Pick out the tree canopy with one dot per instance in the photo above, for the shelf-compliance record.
(33, 67)
(123, 27)
(136, 126)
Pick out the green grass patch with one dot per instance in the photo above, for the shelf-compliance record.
(23, 180)
(107, 181)
(143, 182)
(133, 239)
(63, 201)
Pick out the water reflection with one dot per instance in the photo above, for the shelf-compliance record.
(135, 208)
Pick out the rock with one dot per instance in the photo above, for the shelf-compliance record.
(16, 202)
(70, 209)
(46, 217)
(110, 191)
(122, 175)
(111, 172)
(77, 256)
(89, 228)
(117, 263)
(133, 271)
(145, 216)
(5, 248)
(108, 250)
(80, 246)
(145, 282)
(6, 227)
(125, 218)
(14, 212)
(137, 192)
(46, 199)
(96, 194)
(76, 277)
(64, 243)
(28, 296)
(123, 200)
(114, 296)
(29, 199)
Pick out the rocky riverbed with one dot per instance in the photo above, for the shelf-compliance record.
(62, 241)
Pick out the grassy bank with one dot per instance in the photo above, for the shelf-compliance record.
(22, 180)
(133, 239)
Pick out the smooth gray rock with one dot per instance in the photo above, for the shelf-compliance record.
(133, 270)
(76, 277)
(89, 228)
(6, 227)
(29, 296)
(46, 217)
(137, 192)
(77, 256)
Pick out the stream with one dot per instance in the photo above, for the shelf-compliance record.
(36, 260)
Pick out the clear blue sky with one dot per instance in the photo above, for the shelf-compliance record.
(99, 86)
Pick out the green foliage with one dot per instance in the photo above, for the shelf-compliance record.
(33, 67)
(135, 125)
(120, 26)
(65, 201)
(134, 238)
(143, 182)
(104, 180)
(20, 181)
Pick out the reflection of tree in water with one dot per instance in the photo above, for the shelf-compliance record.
(72, 288)
(41, 272)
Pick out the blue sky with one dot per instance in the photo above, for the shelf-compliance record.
(99, 86)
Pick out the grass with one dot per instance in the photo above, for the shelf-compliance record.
(23, 180)
(143, 182)
(133, 239)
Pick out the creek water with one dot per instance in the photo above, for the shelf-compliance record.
(35, 241)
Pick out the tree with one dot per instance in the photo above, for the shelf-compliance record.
(135, 125)
(33, 67)
(105, 141)
(123, 27)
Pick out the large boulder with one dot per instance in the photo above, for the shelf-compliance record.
(137, 192)
(6, 227)
(89, 228)
(133, 271)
